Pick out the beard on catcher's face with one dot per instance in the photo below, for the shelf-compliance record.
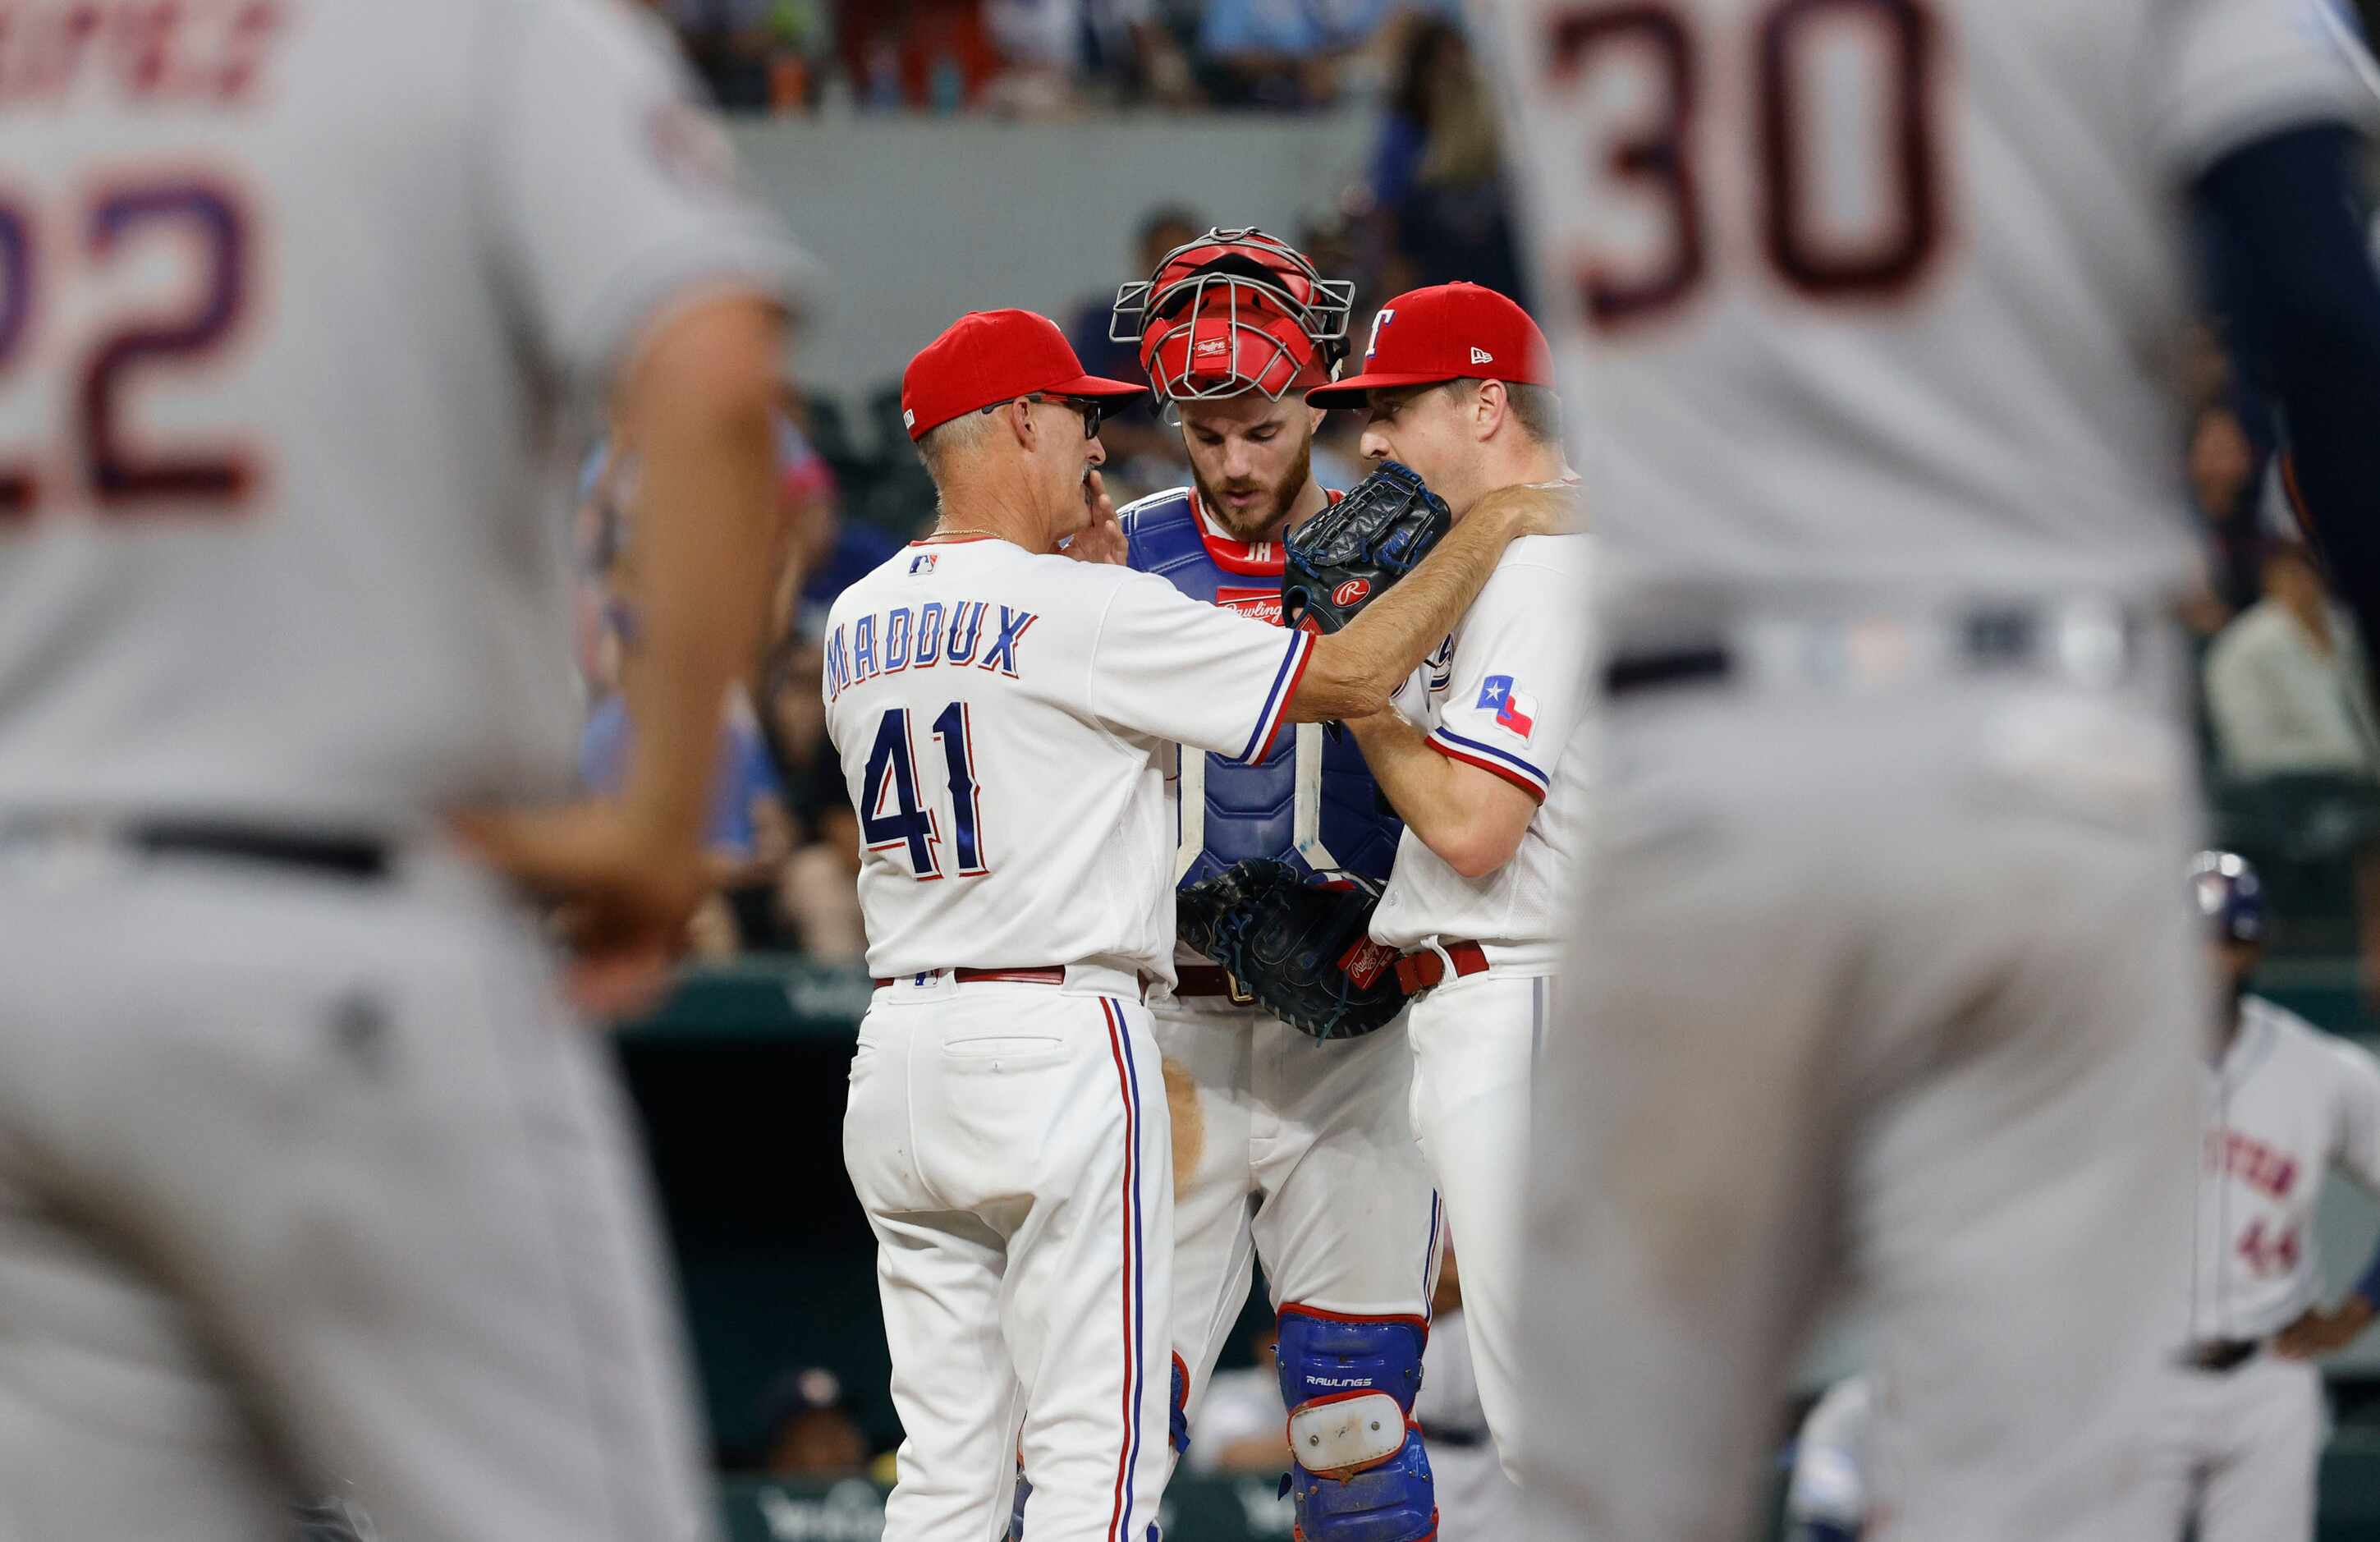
(1259, 519)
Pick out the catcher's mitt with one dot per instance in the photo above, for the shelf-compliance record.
(1345, 557)
(1297, 943)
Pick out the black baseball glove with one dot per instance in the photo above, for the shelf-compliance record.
(1297, 942)
(1345, 557)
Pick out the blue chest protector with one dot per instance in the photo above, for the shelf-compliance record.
(1312, 802)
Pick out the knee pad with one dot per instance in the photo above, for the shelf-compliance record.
(1360, 1473)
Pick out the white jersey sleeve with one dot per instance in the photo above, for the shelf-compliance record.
(2357, 1089)
(2233, 71)
(610, 190)
(1515, 688)
(1168, 666)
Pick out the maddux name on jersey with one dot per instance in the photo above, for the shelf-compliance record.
(966, 634)
(1247, 812)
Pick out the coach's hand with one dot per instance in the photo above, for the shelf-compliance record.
(622, 889)
(2317, 1332)
(1103, 540)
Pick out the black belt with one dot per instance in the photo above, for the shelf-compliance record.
(2219, 1355)
(1208, 979)
(349, 857)
(1997, 637)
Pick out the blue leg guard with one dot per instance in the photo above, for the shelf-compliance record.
(1360, 1474)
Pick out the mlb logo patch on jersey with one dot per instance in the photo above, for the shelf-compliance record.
(923, 563)
(1515, 709)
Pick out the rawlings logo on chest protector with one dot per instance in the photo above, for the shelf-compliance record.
(1263, 604)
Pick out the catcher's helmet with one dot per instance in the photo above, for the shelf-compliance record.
(2230, 896)
(1234, 310)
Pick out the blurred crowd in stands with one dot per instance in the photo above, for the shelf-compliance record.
(1042, 58)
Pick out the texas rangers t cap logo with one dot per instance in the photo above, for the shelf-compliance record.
(1373, 345)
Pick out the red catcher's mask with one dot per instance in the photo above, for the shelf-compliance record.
(1234, 310)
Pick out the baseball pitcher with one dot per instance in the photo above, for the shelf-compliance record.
(1457, 383)
(1868, 310)
(309, 1182)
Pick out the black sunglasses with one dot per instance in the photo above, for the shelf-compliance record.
(1093, 411)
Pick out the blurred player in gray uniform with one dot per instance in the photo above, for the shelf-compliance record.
(309, 1180)
(2241, 1418)
(1879, 956)
(1825, 1500)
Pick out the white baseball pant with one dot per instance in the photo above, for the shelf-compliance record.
(1300, 1153)
(1011, 1146)
(307, 1183)
(1475, 1041)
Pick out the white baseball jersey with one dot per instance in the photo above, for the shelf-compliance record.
(1006, 722)
(289, 294)
(1506, 694)
(1830, 1458)
(1807, 358)
(2287, 1103)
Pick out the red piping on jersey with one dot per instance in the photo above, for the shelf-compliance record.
(954, 540)
(1258, 559)
(1281, 708)
(1536, 794)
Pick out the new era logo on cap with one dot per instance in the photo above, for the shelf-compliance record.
(1481, 356)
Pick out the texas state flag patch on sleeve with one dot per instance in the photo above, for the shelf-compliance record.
(1515, 710)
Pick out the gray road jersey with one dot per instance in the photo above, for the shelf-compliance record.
(292, 295)
(1853, 298)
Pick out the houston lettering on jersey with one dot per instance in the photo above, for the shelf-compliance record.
(976, 634)
(2252, 1161)
(199, 53)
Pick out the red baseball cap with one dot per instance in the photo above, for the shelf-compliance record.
(1446, 332)
(994, 356)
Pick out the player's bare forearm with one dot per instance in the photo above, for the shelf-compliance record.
(1352, 673)
(1414, 777)
(1471, 820)
(699, 410)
